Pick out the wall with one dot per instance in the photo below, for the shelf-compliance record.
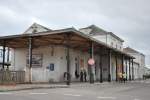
(41, 74)
(101, 38)
(136, 71)
(110, 40)
(140, 59)
(114, 42)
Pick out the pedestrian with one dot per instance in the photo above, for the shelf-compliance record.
(85, 75)
(81, 76)
(124, 77)
(76, 74)
(120, 77)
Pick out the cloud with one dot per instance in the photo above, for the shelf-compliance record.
(129, 19)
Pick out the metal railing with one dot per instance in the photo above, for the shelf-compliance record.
(9, 77)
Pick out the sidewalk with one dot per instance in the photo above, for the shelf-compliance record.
(18, 87)
(106, 84)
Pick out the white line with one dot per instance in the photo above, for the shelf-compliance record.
(106, 97)
(5, 93)
(76, 95)
(38, 93)
(136, 99)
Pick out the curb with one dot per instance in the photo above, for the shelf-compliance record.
(31, 88)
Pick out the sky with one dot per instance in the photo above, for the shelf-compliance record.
(128, 19)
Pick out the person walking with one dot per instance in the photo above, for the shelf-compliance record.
(81, 76)
(120, 76)
(124, 77)
(85, 75)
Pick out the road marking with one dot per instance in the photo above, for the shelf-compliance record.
(38, 93)
(106, 97)
(136, 99)
(75, 95)
(6, 93)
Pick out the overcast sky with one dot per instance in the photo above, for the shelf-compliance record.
(129, 19)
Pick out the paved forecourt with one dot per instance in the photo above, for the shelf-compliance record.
(105, 91)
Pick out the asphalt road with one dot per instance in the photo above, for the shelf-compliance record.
(105, 91)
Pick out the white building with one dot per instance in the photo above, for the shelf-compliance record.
(116, 42)
(104, 36)
(139, 59)
(55, 52)
(146, 71)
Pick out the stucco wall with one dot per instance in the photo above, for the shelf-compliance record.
(41, 74)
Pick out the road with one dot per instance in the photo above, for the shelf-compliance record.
(105, 91)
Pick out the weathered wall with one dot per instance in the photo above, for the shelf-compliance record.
(41, 74)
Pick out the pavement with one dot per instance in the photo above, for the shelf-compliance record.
(134, 90)
(19, 87)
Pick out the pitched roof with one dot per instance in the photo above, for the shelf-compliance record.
(131, 50)
(36, 28)
(24, 37)
(95, 30)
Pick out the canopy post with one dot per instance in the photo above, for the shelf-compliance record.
(101, 69)
(109, 65)
(30, 58)
(126, 71)
(116, 58)
(91, 66)
(122, 64)
(4, 49)
(68, 60)
(8, 53)
(132, 70)
(129, 70)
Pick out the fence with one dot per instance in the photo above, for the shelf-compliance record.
(8, 77)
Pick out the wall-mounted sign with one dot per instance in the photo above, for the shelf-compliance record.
(36, 60)
(51, 67)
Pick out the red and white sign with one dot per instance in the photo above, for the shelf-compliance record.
(91, 61)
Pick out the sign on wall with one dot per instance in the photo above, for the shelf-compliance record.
(36, 60)
(50, 67)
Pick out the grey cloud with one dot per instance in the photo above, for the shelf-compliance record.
(129, 19)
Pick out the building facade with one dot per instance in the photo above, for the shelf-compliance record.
(139, 59)
(107, 37)
(47, 55)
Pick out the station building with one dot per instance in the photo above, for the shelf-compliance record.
(46, 55)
